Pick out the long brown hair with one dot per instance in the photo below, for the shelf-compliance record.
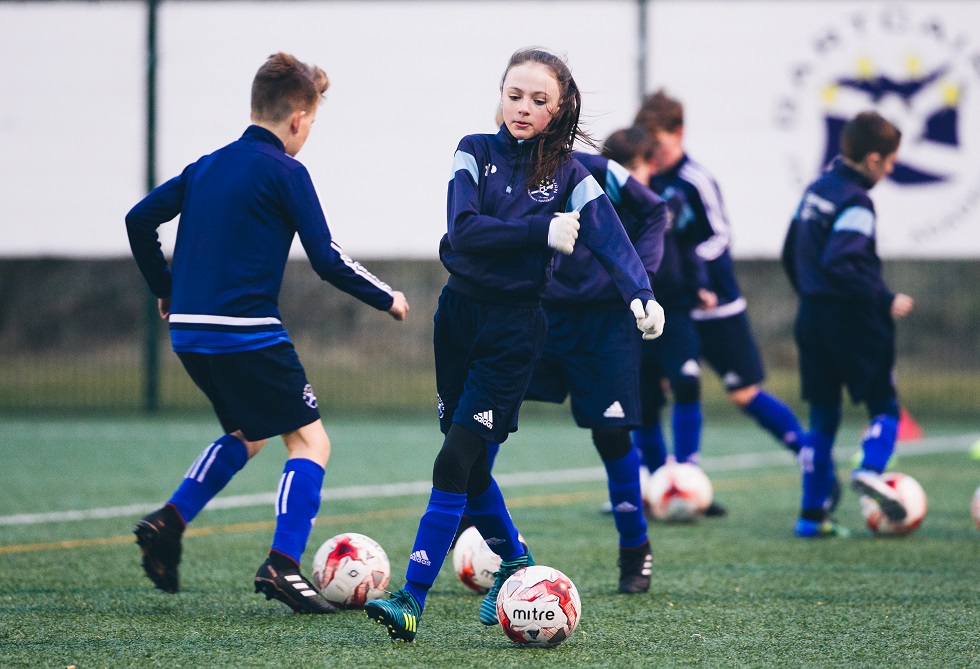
(558, 139)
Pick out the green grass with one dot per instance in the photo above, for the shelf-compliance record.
(733, 592)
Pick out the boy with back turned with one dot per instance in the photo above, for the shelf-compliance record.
(845, 326)
(240, 208)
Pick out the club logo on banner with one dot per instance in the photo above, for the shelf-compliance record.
(921, 72)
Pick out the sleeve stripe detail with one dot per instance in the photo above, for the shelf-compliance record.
(587, 190)
(222, 320)
(620, 172)
(856, 219)
(465, 161)
(360, 270)
(715, 245)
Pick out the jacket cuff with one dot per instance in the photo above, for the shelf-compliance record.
(537, 234)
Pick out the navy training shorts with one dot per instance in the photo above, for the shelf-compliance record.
(848, 344)
(671, 358)
(594, 356)
(484, 356)
(729, 347)
(263, 393)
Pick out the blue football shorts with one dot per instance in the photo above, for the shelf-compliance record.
(728, 346)
(594, 356)
(263, 393)
(845, 344)
(484, 356)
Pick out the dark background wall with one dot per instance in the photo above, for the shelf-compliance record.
(73, 333)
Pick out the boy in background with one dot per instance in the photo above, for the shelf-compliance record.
(845, 326)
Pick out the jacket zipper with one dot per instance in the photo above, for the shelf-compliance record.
(517, 165)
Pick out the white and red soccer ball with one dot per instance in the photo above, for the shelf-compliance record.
(913, 498)
(678, 492)
(351, 569)
(474, 561)
(538, 606)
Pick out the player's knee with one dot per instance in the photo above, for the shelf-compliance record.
(886, 406)
(612, 443)
(686, 389)
(456, 459)
(742, 397)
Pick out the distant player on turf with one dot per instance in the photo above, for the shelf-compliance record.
(240, 208)
(845, 327)
(726, 339)
(592, 352)
(514, 199)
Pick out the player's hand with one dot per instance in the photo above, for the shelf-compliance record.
(163, 306)
(399, 306)
(707, 298)
(649, 318)
(901, 306)
(563, 232)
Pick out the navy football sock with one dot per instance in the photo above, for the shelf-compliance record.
(878, 443)
(490, 516)
(624, 494)
(687, 431)
(649, 441)
(817, 467)
(436, 530)
(214, 467)
(297, 503)
(776, 418)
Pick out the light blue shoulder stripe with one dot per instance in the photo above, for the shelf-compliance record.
(587, 190)
(856, 219)
(616, 176)
(465, 161)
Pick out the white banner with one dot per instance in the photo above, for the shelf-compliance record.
(767, 86)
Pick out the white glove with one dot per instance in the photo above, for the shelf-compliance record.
(563, 231)
(650, 321)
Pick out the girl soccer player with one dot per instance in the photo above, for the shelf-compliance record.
(514, 199)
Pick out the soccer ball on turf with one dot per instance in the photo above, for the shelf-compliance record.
(475, 563)
(678, 492)
(538, 606)
(975, 507)
(350, 569)
(913, 498)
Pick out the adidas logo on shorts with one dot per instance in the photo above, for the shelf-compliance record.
(421, 557)
(485, 418)
(615, 410)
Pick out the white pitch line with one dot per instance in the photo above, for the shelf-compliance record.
(716, 463)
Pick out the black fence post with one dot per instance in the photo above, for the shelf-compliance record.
(151, 359)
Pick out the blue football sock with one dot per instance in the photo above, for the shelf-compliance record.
(776, 418)
(212, 470)
(686, 423)
(436, 531)
(490, 516)
(623, 476)
(817, 467)
(649, 441)
(297, 503)
(492, 450)
(878, 443)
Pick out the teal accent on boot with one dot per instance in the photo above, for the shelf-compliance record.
(488, 607)
(400, 615)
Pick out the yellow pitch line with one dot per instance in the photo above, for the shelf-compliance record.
(264, 525)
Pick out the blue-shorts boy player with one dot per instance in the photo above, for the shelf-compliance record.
(240, 208)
